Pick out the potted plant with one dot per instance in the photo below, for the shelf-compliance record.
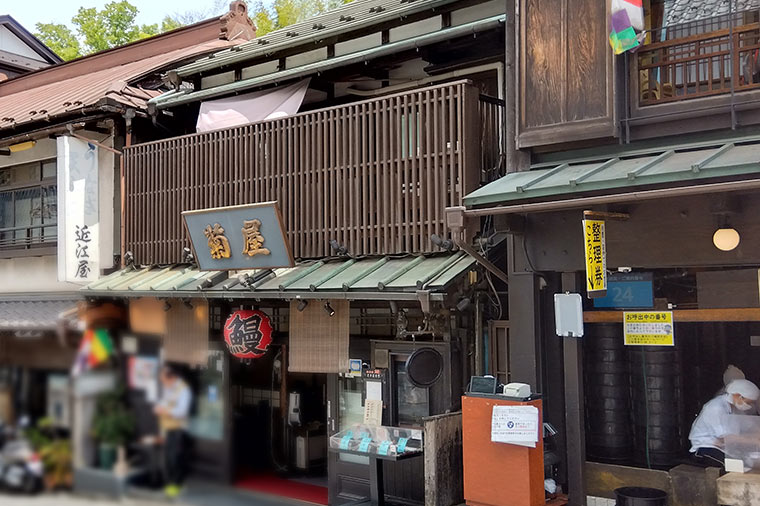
(112, 426)
(54, 451)
(57, 459)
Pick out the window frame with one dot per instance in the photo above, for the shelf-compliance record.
(42, 247)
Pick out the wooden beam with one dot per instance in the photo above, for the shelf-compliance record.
(743, 314)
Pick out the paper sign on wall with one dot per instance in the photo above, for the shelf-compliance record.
(652, 328)
(515, 425)
(373, 412)
(596, 258)
(78, 205)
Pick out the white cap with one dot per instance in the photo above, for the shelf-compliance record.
(732, 373)
(745, 388)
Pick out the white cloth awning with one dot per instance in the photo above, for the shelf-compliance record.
(251, 107)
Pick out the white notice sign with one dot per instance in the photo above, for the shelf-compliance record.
(78, 211)
(515, 425)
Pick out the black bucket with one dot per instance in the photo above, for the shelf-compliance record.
(640, 496)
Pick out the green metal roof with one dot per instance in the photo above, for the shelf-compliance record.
(174, 98)
(386, 278)
(349, 17)
(661, 167)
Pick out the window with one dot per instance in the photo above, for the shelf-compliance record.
(28, 205)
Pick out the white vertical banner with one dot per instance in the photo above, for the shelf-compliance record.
(78, 234)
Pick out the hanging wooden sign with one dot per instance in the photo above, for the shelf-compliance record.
(248, 333)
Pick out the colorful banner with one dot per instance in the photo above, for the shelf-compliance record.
(653, 328)
(78, 223)
(596, 258)
(626, 19)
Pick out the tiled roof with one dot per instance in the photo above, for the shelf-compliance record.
(349, 17)
(387, 278)
(77, 94)
(33, 315)
(683, 11)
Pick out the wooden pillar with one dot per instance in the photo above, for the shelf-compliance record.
(524, 350)
(574, 404)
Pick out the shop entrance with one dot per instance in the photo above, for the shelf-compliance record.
(279, 428)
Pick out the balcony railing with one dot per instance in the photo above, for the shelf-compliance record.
(711, 57)
(29, 236)
(374, 175)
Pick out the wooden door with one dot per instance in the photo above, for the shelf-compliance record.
(566, 72)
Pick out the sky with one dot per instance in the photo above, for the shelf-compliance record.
(31, 12)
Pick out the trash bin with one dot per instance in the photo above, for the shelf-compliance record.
(640, 496)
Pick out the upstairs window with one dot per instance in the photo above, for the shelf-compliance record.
(28, 205)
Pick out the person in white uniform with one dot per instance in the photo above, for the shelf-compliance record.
(711, 426)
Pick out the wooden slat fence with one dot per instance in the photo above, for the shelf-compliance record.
(374, 175)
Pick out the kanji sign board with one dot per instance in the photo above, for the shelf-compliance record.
(249, 236)
(596, 258)
(653, 328)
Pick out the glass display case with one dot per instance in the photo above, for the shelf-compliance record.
(379, 440)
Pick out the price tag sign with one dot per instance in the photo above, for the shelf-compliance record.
(344, 442)
(384, 446)
(402, 444)
(364, 445)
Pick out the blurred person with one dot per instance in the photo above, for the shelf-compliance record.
(709, 430)
(173, 411)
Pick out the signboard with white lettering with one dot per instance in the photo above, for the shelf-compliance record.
(78, 223)
(628, 291)
(238, 237)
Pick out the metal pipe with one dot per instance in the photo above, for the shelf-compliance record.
(510, 85)
(636, 196)
(478, 335)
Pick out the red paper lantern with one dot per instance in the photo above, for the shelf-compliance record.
(248, 333)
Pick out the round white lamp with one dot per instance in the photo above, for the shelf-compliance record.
(726, 239)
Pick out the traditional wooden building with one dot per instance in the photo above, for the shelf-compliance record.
(363, 123)
(62, 127)
(659, 143)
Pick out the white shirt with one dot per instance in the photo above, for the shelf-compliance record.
(711, 425)
(177, 399)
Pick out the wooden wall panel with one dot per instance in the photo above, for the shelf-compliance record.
(544, 60)
(374, 175)
(566, 76)
(587, 60)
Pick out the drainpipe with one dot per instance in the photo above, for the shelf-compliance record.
(478, 335)
(515, 160)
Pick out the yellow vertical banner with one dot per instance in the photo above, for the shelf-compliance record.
(596, 258)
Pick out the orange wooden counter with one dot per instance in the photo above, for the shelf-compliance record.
(499, 474)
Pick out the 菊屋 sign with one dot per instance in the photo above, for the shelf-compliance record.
(650, 328)
(238, 237)
(596, 258)
(78, 216)
(248, 333)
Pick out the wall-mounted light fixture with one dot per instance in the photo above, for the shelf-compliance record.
(329, 309)
(726, 238)
(167, 306)
(302, 305)
(21, 146)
